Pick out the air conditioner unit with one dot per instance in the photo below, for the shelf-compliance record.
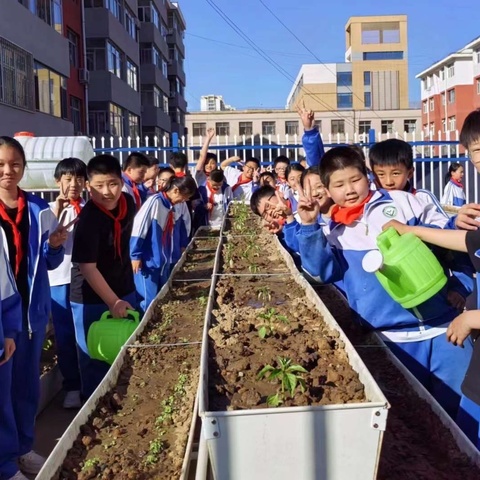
(83, 75)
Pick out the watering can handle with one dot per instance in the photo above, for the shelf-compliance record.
(132, 314)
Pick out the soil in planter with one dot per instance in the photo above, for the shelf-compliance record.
(179, 316)
(416, 445)
(237, 353)
(198, 266)
(252, 255)
(139, 429)
(203, 243)
(208, 233)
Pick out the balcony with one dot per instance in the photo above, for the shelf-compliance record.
(177, 100)
(154, 117)
(176, 70)
(175, 38)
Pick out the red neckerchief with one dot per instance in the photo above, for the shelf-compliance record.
(458, 184)
(180, 174)
(117, 229)
(136, 193)
(240, 182)
(17, 235)
(347, 215)
(170, 223)
(77, 205)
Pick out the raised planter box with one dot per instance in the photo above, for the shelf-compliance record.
(125, 428)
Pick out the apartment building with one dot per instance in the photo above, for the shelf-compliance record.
(374, 75)
(450, 90)
(264, 123)
(34, 68)
(213, 103)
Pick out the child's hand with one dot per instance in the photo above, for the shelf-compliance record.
(136, 266)
(61, 202)
(308, 208)
(60, 234)
(307, 116)
(209, 206)
(401, 228)
(467, 215)
(456, 300)
(272, 227)
(279, 209)
(119, 309)
(256, 176)
(210, 134)
(461, 327)
(8, 349)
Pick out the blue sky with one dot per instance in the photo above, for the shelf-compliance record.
(219, 61)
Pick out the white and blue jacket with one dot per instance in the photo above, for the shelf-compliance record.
(152, 234)
(453, 194)
(41, 258)
(10, 300)
(313, 145)
(339, 254)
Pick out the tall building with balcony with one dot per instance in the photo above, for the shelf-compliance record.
(213, 103)
(34, 67)
(450, 90)
(176, 72)
(113, 60)
(374, 75)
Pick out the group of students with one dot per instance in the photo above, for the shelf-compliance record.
(331, 219)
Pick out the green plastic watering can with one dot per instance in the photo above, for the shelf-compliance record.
(108, 335)
(405, 267)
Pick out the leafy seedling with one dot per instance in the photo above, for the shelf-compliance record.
(289, 377)
(253, 268)
(90, 463)
(264, 294)
(270, 321)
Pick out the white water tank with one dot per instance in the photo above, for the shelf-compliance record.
(43, 154)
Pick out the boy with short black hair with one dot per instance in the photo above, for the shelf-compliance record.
(216, 195)
(134, 169)
(70, 176)
(179, 162)
(102, 276)
(280, 165)
(149, 186)
(244, 182)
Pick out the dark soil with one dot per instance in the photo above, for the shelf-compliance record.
(416, 445)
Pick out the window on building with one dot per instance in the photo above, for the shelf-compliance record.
(164, 68)
(364, 126)
(173, 54)
(114, 59)
(130, 26)
(291, 127)
(432, 129)
(432, 104)
(133, 125)
(175, 116)
(478, 86)
(425, 130)
(269, 128)
(344, 79)
(164, 31)
(318, 123)
(344, 100)
(375, 33)
(245, 128)
(50, 11)
(443, 98)
(17, 79)
(429, 81)
(367, 98)
(338, 126)
(409, 126)
(442, 74)
(165, 103)
(115, 7)
(132, 75)
(387, 126)
(199, 129)
(96, 58)
(149, 14)
(451, 71)
(425, 107)
(117, 120)
(367, 78)
(383, 55)
(451, 96)
(73, 41)
(76, 114)
(151, 95)
(452, 123)
(444, 125)
(97, 122)
(222, 128)
(50, 91)
(157, 97)
(477, 56)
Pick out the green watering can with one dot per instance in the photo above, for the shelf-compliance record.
(108, 335)
(405, 267)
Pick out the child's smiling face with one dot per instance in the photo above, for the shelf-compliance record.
(348, 187)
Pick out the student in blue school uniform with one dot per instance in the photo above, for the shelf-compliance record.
(102, 277)
(416, 337)
(454, 192)
(135, 168)
(151, 245)
(312, 139)
(10, 327)
(70, 176)
(33, 241)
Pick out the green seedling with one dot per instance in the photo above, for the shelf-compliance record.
(271, 318)
(203, 300)
(155, 448)
(264, 294)
(154, 338)
(289, 377)
(47, 344)
(90, 463)
(228, 254)
(253, 268)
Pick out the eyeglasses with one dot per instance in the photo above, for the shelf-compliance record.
(280, 169)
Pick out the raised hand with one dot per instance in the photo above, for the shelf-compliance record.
(58, 237)
(307, 116)
(308, 208)
(61, 202)
(210, 134)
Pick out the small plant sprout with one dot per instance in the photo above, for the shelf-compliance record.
(156, 447)
(253, 268)
(90, 463)
(229, 249)
(289, 377)
(264, 294)
(271, 319)
(47, 344)
(203, 300)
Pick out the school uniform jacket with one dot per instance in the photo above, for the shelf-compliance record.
(338, 256)
(453, 194)
(152, 234)
(313, 145)
(232, 175)
(41, 258)
(10, 300)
